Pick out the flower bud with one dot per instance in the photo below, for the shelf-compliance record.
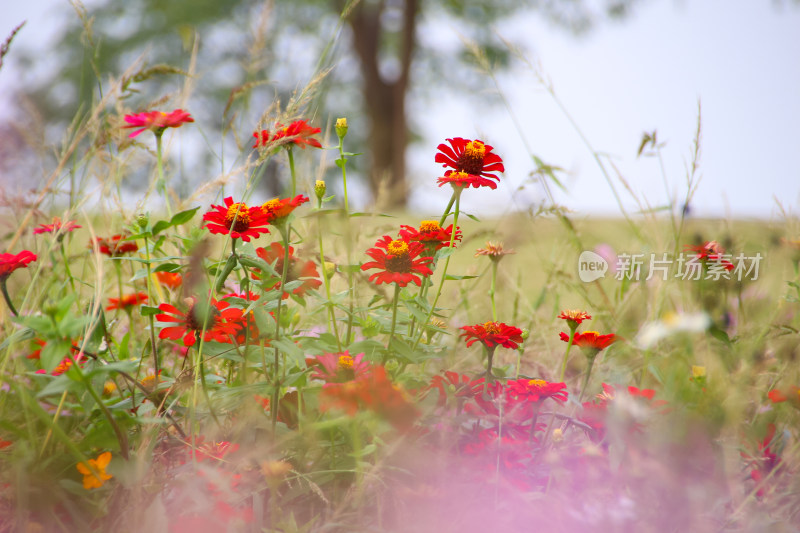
(142, 220)
(341, 127)
(319, 189)
(329, 269)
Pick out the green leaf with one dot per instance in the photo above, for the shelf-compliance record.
(453, 277)
(53, 352)
(18, 336)
(148, 310)
(719, 334)
(371, 215)
(180, 218)
(473, 217)
(230, 264)
(168, 267)
(289, 348)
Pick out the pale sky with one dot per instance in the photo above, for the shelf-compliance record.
(741, 59)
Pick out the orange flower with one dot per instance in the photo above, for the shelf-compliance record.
(297, 269)
(279, 208)
(298, 133)
(591, 340)
(172, 280)
(157, 121)
(94, 474)
(493, 250)
(128, 300)
(372, 391)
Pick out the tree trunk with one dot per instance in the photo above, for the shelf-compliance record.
(385, 98)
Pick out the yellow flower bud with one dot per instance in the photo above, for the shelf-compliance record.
(341, 127)
(319, 189)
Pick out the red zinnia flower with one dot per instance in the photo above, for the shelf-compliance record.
(210, 450)
(430, 233)
(115, 246)
(297, 133)
(710, 252)
(56, 227)
(10, 262)
(248, 328)
(236, 219)
(221, 323)
(399, 261)
(461, 385)
(590, 339)
(574, 317)
(172, 280)
(279, 208)
(492, 334)
(338, 367)
(536, 390)
(297, 269)
(127, 300)
(65, 364)
(789, 394)
(471, 158)
(157, 121)
(460, 179)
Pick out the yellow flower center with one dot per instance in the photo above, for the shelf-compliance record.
(397, 248)
(458, 176)
(272, 204)
(238, 212)
(475, 150)
(345, 362)
(491, 327)
(537, 383)
(429, 226)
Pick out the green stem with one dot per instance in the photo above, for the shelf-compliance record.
(492, 290)
(489, 357)
(566, 354)
(291, 171)
(150, 300)
(394, 321)
(447, 209)
(162, 183)
(285, 231)
(457, 199)
(327, 282)
(343, 159)
(66, 266)
(588, 375)
(7, 297)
